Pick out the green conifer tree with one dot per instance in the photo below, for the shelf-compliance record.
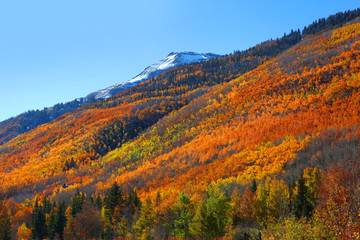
(98, 201)
(76, 202)
(5, 222)
(147, 217)
(60, 220)
(39, 227)
(212, 217)
(114, 198)
(302, 206)
(253, 186)
(183, 216)
(51, 226)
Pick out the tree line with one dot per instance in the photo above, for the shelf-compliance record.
(312, 207)
(332, 20)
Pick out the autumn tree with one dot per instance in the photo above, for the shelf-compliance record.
(261, 207)
(272, 200)
(23, 232)
(290, 228)
(87, 224)
(242, 207)
(337, 213)
(279, 199)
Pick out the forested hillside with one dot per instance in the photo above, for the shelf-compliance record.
(88, 134)
(29, 120)
(262, 143)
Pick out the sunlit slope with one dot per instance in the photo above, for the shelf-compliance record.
(301, 108)
(171, 133)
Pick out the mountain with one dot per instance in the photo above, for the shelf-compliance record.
(29, 120)
(262, 143)
(171, 61)
(91, 132)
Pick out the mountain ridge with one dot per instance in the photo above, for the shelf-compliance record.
(174, 59)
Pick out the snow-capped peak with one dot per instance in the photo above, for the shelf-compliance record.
(172, 60)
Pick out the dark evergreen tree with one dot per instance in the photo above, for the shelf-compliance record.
(60, 220)
(114, 198)
(70, 164)
(253, 186)
(98, 201)
(52, 226)
(134, 199)
(76, 202)
(158, 198)
(46, 205)
(302, 206)
(5, 222)
(39, 227)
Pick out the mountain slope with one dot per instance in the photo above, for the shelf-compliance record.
(38, 159)
(283, 116)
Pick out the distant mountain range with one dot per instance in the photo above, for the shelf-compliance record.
(24, 122)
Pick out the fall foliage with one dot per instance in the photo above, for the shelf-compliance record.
(260, 143)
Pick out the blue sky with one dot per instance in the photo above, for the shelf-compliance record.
(56, 51)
